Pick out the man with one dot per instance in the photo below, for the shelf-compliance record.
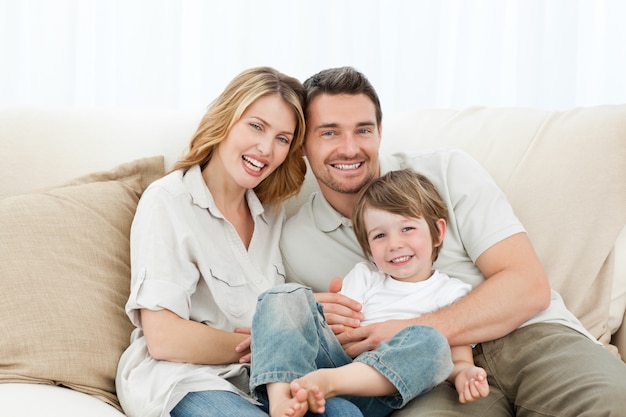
(538, 357)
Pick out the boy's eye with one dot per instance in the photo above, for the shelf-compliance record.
(378, 236)
(408, 229)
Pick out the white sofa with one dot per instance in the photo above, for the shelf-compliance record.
(64, 241)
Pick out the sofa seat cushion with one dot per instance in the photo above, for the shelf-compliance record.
(65, 273)
(19, 399)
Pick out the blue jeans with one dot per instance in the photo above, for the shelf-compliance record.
(290, 338)
(229, 404)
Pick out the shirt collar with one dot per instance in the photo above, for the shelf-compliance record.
(202, 197)
(326, 217)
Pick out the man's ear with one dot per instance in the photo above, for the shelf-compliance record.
(441, 227)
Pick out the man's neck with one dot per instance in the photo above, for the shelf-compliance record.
(342, 202)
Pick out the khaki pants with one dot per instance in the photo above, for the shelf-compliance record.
(537, 370)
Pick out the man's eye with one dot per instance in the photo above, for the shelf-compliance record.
(328, 133)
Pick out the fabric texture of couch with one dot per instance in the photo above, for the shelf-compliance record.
(70, 180)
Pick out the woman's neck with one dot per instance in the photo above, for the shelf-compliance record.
(230, 199)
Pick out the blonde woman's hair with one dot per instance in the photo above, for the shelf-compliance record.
(403, 192)
(227, 109)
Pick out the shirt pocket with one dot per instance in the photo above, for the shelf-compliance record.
(231, 291)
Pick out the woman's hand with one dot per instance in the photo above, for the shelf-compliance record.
(244, 347)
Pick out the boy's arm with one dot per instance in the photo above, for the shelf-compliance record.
(462, 358)
(469, 380)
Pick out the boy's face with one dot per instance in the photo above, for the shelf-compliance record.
(342, 141)
(401, 246)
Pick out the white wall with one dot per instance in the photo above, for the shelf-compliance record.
(552, 54)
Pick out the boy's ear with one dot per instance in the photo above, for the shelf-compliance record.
(441, 227)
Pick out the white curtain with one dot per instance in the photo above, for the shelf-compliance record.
(551, 54)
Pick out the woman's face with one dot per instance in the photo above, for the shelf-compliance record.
(259, 141)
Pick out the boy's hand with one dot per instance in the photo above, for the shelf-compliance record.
(471, 384)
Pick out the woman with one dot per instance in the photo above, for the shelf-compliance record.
(203, 246)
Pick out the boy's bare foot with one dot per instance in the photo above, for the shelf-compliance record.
(315, 397)
(287, 404)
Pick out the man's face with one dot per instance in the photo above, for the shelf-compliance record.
(342, 141)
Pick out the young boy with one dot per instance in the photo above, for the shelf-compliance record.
(399, 221)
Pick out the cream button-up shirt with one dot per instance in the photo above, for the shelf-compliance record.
(187, 258)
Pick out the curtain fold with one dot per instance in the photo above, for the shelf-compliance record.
(552, 54)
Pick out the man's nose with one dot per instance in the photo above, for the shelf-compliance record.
(350, 145)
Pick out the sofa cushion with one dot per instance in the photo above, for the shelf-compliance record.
(65, 273)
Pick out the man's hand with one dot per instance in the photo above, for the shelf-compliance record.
(358, 340)
(340, 311)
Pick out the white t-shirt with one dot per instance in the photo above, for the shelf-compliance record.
(384, 298)
(187, 258)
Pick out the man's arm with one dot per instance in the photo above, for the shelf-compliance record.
(516, 288)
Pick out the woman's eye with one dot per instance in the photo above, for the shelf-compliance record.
(256, 126)
(284, 139)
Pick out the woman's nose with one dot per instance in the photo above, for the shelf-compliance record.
(264, 145)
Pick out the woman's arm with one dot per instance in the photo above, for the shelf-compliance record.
(174, 339)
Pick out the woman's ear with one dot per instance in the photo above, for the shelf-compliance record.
(441, 227)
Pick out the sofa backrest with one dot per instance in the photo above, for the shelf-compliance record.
(564, 173)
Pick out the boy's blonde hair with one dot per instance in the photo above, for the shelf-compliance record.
(405, 193)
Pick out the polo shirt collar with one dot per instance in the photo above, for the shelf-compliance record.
(326, 217)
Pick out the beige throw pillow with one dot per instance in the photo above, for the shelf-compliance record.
(65, 272)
